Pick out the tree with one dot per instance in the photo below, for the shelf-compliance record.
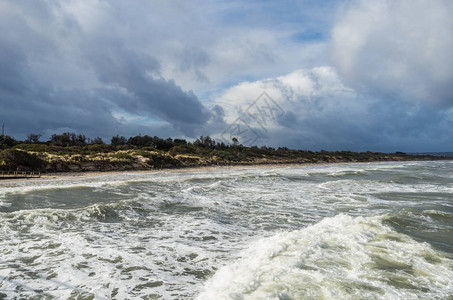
(205, 142)
(80, 139)
(178, 142)
(68, 139)
(33, 138)
(97, 141)
(118, 140)
(6, 140)
(162, 144)
(141, 141)
(221, 146)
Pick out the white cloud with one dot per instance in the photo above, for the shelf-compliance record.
(298, 92)
(318, 111)
(396, 49)
(301, 101)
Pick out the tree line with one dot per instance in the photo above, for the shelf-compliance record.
(68, 139)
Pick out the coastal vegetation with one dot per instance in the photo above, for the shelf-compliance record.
(76, 152)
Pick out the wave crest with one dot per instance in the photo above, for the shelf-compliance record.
(340, 257)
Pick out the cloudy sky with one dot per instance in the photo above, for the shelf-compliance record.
(334, 75)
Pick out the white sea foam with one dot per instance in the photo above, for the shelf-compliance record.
(138, 235)
(338, 258)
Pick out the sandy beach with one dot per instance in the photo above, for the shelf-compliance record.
(94, 174)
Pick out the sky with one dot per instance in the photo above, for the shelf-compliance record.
(330, 74)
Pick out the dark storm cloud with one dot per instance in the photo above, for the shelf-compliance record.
(57, 74)
(399, 127)
(134, 90)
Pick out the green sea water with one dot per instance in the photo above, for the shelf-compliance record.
(347, 231)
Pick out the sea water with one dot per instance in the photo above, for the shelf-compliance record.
(346, 231)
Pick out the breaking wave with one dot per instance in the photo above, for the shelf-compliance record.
(342, 257)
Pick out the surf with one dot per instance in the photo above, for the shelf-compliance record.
(340, 257)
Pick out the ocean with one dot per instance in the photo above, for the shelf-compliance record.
(340, 231)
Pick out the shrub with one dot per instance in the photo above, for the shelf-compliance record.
(39, 147)
(16, 159)
(99, 148)
(124, 156)
(6, 141)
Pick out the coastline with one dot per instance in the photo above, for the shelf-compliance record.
(94, 174)
(54, 161)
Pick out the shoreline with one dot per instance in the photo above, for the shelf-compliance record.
(93, 174)
(70, 160)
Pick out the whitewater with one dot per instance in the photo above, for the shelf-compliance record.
(340, 231)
